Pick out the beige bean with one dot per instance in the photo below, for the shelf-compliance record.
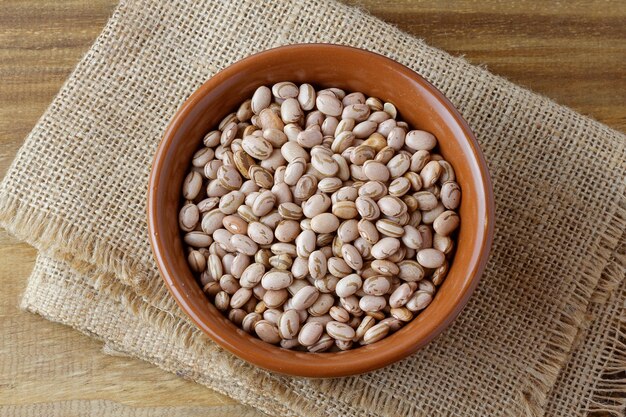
(192, 185)
(244, 244)
(446, 223)
(198, 239)
(427, 235)
(188, 217)
(235, 224)
(240, 297)
(352, 257)
(419, 301)
(340, 331)
(270, 119)
(196, 261)
(260, 233)
(305, 297)
(263, 203)
(289, 324)
(399, 187)
(202, 157)
(329, 185)
(257, 147)
(309, 138)
(276, 279)
(275, 298)
(419, 140)
(250, 320)
(373, 189)
(287, 230)
(329, 125)
(392, 206)
(364, 129)
(212, 139)
(267, 332)
(362, 153)
(345, 210)
(428, 217)
(228, 135)
(375, 333)
(310, 333)
(419, 160)
(338, 267)
(325, 223)
(290, 211)
(317, 204)
(284, 90)
(348, 230)
(222, 301)
(329, 105)
(430, 258)
(442, 243)
(385, 247)
(208, 204)
(317, 264)
(314, 120)
(450, 195)
(294, 171)
(376, 285)
(274, 161)
(412, 238)
(385, 267)
(306, 97)
(291, 151)
(375, 171)
(430, 173)
(272, 315)
(212, 221)
(348, 285)
(357, 111)
(368, 231)
(400, 296)
(322, 160)
(322, 305)
(282, 192)
(282, 261)
(410, 271)
(305, 187)
(389, 228)
(425, 200)
(339, 314)
(385, 127)
(372, 303)
(261, 99)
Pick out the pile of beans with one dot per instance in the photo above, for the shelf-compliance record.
(317, 220)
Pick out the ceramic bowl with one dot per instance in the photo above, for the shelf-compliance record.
(419, 104)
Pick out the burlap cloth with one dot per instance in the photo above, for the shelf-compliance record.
(543, 334)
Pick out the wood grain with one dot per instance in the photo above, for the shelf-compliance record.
(574, 54)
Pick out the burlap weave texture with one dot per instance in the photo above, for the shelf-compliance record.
(77, 191)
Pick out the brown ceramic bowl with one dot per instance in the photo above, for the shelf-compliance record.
(419, 104)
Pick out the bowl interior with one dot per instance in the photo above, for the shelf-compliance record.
(351, 69)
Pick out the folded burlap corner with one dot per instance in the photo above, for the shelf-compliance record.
(77, 191)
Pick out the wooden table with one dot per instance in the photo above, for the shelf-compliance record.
(574, 54)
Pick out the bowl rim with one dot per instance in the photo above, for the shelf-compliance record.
(261, 359)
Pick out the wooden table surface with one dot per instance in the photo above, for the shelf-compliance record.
(573, 52)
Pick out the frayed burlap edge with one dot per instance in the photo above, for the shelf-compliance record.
(54, 236)
(610, 392)
(609, 395)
